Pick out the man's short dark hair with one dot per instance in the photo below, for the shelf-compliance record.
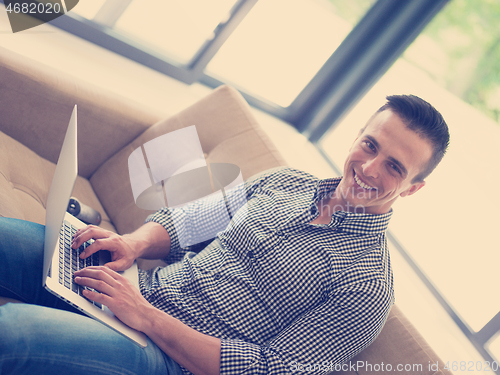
(425, 120)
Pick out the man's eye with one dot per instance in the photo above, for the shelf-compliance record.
(395, 168)
(370, 146)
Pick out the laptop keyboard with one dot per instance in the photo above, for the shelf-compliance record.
(70, 261)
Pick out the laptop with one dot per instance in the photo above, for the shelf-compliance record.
(60, 260)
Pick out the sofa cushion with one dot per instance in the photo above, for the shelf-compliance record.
(25, 179)
(228, 133)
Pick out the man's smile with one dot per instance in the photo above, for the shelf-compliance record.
(361, 183)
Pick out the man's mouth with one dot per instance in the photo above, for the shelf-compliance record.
(362, 184)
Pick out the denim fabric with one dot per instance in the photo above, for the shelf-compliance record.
(47, 336)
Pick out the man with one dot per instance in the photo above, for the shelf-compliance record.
(300, 279)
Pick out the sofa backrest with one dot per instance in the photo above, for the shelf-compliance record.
(228, 132)
(37, 102)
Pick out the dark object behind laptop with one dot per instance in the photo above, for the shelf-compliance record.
(85, 213)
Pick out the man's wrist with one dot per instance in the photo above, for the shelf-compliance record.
(150, 316)
(198, 352)
(137, 244)
(151, 241)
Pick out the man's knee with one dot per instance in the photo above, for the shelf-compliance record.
(16, 233)
(21, 256)
(39, 336)
(41, 340)
(9, 326)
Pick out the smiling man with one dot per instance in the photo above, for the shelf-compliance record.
(397, 149)
(300, 278)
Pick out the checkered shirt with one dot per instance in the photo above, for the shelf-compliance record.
(283, 295)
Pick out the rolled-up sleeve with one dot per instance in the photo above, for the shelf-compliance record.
(164, 218)
(204, 218)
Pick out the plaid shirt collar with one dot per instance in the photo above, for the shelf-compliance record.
(350, 222)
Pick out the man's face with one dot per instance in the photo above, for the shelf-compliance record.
(381, 164)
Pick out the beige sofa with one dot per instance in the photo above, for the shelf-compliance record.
(36, 103)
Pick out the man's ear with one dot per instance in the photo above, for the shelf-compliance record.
(413, 189)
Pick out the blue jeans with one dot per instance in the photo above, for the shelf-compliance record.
(45, 335)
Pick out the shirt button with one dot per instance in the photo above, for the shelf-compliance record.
(184, 289)
(216, 276)
(250, 254)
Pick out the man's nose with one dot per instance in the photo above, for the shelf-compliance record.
(371, 167)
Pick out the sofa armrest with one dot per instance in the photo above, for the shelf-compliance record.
(399, 344)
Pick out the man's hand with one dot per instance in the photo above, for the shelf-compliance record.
(124, 249)
(196, 351)
(117, 293)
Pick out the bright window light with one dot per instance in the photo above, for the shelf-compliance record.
(279, 47)
(175, 28)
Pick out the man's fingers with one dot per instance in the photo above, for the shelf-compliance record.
(115, 275)
(100, 244)
(84, 234)
(98, 274)
(105, 243)
(97, 297)
(118, 265)
(99, 285)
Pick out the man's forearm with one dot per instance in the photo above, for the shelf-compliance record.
(197, 352)
(151, 241)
